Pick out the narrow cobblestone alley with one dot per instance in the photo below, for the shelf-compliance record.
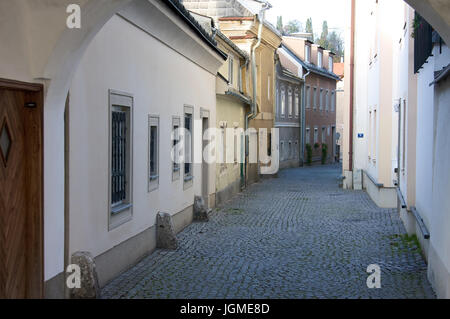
(295, 236)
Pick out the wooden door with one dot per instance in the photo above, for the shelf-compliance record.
(21, 190)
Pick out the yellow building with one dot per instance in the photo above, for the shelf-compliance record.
(260, 41)
(232, 106)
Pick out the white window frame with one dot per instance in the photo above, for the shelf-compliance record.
(330, 63)
(290, 150)
(296, 103)
(307, 53)
(308, 97)
(333, 101)
(324, 134)
(327, 100)
(290, 102)
(320, 59)
(316, 135)
(153, 177)
(121, 212)
(230, 69)
(315, 92)
(175, 143)
(321, 99)
(188, 149)
(283, 102)
(308, 136)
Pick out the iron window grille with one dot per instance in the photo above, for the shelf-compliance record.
(119, 158)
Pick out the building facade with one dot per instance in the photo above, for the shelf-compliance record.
(288, 117)
(231, 107)
(399, 147)
(340, 107)
(320, 98)
(110, 110)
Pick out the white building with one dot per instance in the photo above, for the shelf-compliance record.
(114, 90)
(400, 132)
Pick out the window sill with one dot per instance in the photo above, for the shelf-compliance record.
(188, 182)
(120, 208)
(119, 215)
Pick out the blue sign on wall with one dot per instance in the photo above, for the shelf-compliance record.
(360, 135)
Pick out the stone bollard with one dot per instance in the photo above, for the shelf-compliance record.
(165, 234)
(90, 288)
(200, 210)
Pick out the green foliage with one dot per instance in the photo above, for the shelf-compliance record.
(323, 41)
(316, 146)
(293, 26)
(324, 153)
(309, 28)
(405, 243)
(332, 41)
(280, 24)
(308, 154)
(416, 25)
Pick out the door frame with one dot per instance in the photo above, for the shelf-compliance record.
(33, 136)
(204, 115)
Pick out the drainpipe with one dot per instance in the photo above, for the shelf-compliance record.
(303, 119)
(352, 66)
(254, 107)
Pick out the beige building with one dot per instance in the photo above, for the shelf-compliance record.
(231, 108)
(260, 40)
(374, 148)
(340, 107)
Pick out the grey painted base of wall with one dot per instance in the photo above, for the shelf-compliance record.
(289, 164)
(438, 274)
(54, 288)
(347, 182)
(384, 197)
(225, 194)
(412, 228)
(113, 262)
(118, 259)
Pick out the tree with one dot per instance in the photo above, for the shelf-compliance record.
(336, 45)
(323, 41)
(309, 28)
(293, 26)
(280, 24)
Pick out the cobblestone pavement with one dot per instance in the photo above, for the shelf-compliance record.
(295, 236)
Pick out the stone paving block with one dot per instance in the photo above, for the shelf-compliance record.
(297, 236)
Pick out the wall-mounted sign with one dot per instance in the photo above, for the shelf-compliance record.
(360, 135)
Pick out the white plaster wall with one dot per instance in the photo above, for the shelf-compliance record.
(125, 58)
(401, 40)
(440, 218)
(424, 144)
(361, 86)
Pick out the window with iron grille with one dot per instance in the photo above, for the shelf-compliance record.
(423, 41)
(119, 157)
(175, 149)
(153, 154)
(188, 145)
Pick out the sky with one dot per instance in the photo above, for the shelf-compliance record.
(318, 10)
